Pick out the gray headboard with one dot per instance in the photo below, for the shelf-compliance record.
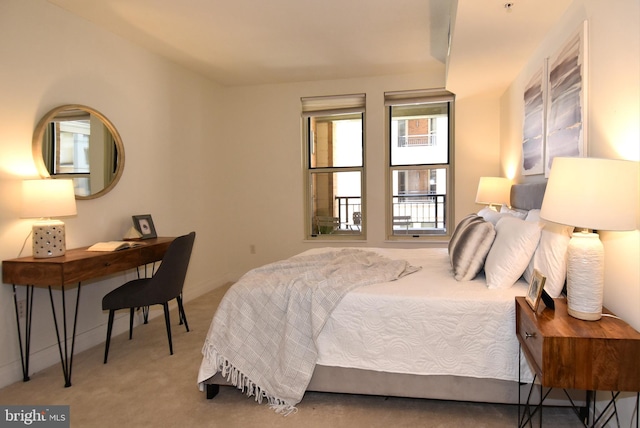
(528, 196)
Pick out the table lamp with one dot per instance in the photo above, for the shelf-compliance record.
(493, 190)
(596, 194)
(44, 199)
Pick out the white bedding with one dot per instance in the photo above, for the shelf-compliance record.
(262, 336)
(426, 323)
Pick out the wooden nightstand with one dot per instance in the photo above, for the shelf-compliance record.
(568, 353)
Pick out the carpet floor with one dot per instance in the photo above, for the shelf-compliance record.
(142, 386)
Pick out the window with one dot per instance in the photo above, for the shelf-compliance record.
(66, 149)
(78, 145)
(334, 167)
(71, 142)
(420, 176)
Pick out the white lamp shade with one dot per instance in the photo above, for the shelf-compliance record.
(493, 190)
(48, 198)
(592, 193)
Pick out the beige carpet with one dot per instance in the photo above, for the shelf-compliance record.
(142, 385)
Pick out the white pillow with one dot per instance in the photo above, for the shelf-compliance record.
(550, 257)
(516, 241)
(490, 215)
(516, 213)
(494, 216)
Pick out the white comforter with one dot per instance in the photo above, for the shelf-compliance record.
(263, 335)
(427, 323)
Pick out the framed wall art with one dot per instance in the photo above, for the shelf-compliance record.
(533, 129)
(566, 133)
(555, 107)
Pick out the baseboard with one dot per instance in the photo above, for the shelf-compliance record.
(194, 291)
(49, 356)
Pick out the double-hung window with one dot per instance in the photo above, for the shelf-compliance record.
(420, 175)
(334, 166)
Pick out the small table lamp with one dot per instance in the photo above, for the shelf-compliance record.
(597, 194)
(493, 190)
(45, 199)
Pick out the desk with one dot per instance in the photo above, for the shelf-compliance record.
(568, 353)
(68, 271)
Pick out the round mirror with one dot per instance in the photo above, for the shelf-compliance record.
(78, 142)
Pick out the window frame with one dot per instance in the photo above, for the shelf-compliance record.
(420, 97)
(330, 106)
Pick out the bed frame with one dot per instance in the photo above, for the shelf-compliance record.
(368, 382)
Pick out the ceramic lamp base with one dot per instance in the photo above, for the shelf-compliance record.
(48, 239)
(585, 276)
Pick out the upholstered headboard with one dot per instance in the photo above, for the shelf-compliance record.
(527, 196)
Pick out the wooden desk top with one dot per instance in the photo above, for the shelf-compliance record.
(79, 265)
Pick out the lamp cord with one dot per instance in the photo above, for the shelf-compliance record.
(25, 242)
(611, 316)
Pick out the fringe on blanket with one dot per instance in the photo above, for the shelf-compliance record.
(246, 385)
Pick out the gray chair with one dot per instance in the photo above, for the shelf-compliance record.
(165, 285)
(357, 219)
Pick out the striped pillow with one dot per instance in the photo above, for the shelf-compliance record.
(469, 246)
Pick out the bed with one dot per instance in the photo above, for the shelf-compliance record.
(440, 329)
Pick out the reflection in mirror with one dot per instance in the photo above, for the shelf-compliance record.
(78, 142)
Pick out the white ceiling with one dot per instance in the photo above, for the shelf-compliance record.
(491, 44)
(247, 42)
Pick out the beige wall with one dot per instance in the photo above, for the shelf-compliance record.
(613, 119)
(263, 163)
(192, 161)
(477, 147)
(167, 118)
(613, 127)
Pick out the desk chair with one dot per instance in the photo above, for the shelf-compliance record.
(165, 285)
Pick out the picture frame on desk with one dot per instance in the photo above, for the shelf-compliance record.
(534, 293)
(144, 225)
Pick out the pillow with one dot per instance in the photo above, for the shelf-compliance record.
(469, 245)
(514, 212)
(550, 257)
(487, 210)
(489, 215)
(459, 228)
(516, 241)
(493, 216)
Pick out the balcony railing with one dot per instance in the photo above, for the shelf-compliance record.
(347, 207)
(414, 214)
(419, 214)
(417, 140)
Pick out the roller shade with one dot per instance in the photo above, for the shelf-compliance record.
(417, 97)
(327, 105)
